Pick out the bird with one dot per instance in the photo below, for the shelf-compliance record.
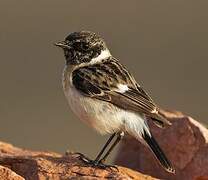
(103, 94)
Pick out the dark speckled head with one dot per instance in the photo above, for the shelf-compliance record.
(81, 47)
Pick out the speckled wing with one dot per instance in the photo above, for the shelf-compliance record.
(101, 81)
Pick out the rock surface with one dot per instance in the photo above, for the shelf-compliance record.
(6, 173)
(19, 164)
(185, 143)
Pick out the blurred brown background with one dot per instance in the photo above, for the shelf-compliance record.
(164, 44)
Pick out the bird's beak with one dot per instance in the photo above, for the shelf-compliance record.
(62, 44)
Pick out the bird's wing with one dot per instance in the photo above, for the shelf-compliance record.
(110, 81)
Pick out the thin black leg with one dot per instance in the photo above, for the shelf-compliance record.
(99, 163)
(104, 147)
(119, 137)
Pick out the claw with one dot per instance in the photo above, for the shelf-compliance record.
(105, 166)
(113, 167)
(93, 163)
(82, 157)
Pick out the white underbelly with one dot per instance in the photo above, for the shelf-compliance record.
(101, 115)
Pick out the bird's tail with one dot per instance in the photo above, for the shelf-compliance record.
(151, 142)
(137, 126)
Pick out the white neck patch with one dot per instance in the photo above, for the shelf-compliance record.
(103, 55)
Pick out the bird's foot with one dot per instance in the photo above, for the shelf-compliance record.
(106, 166)
(83, 157)
(101, 165)
(94, 163)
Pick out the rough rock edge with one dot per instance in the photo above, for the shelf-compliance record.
(17, 164)
(6, 173)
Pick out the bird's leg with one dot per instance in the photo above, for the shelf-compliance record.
(96, 161)
(119, 137)
(104, 147)
(100, 162)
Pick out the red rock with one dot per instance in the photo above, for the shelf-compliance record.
(34, 165)
(185, 143)
(8, 174)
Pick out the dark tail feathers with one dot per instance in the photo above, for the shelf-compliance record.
(158, 152)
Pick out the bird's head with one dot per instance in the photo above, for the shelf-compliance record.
(83, 47)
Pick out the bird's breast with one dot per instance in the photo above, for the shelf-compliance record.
(100, 115)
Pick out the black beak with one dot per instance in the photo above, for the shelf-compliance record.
(62, 44)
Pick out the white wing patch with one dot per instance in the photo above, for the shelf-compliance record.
(154, 111)
(122, 88)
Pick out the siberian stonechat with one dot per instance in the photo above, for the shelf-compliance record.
(103, 94)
